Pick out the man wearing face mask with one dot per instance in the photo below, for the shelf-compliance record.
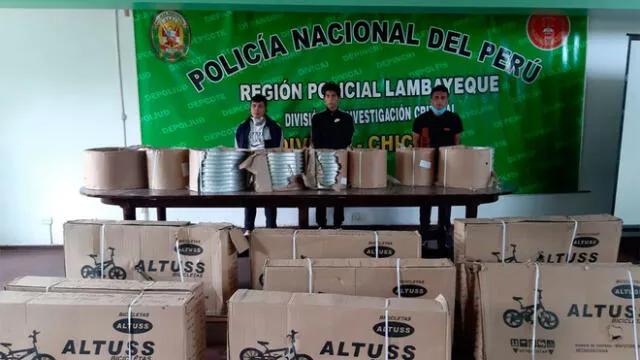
(259, 132)
(331, 129)
(435, 128)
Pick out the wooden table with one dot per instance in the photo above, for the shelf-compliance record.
(391, 196)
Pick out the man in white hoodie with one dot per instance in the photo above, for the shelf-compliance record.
(258, 132)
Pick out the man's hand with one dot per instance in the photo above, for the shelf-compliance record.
(416, 140)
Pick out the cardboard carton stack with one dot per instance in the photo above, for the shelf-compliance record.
(320, 294)
(546, 286)
(96, 319)
(328, 244)
(329, 326)
(133, 289)
(157, 250)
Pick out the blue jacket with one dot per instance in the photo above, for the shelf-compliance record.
(272, 134)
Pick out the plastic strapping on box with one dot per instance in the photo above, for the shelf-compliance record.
(310, 268)
(386, 329)
(536, 287)
(504, 240)
(444, 168)
(102, 251)
(46, 290)
(635, 315)
(377, 240)
(179, 256)
(398, 277)
(573, 236)
(129, 315)
(293, 243)
(360, 169)
(413, 167)
(152, 181)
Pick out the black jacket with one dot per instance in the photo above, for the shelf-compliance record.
(331, 130)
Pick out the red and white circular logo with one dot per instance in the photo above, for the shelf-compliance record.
(548, 32)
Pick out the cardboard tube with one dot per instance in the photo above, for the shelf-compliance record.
(114, 168)
(168, 169)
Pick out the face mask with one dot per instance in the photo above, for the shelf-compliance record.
(439, 112)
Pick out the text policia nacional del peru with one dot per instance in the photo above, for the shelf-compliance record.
(268, 47)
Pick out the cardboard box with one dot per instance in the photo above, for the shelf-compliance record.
(168, 169)
(418, 278)
(258, 164)
(314, 172)
(367, 168)
(467, 167)
(336, 244)
(146, 250)
(415, 167)
(101, 286)
(584, 312)
(328, 326)
(544, 239)
(114, 168)
(195, 163)
(72, 326)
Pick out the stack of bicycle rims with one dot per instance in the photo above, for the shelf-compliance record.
(327, 168)
(220, 172)
(284, 165)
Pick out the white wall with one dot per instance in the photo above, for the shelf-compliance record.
(627, 197)
(60, 95)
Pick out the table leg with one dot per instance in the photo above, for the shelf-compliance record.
(471, 211)
(161, 213)
(128, 212)
(303, 217)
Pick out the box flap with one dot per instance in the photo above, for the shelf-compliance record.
(238, 239)
(33, 282)
(18, 297)
(58, 284)
(363, 302)
(127, 222)
(539, 219)
(260, 296)
(153, 300)
(361, 263)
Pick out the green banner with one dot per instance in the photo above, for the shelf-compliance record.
(517, 82)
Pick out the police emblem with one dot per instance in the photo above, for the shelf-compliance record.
(170, 36)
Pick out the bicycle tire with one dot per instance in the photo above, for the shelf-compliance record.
(87, 272)
(117, 273)
(548, 320)
(303, 357)
(44, 357)
(512, 318)
(3, 356)
(258, 354)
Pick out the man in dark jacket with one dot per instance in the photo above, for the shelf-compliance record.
(331, 129)
(435, 128)
(256, 133)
